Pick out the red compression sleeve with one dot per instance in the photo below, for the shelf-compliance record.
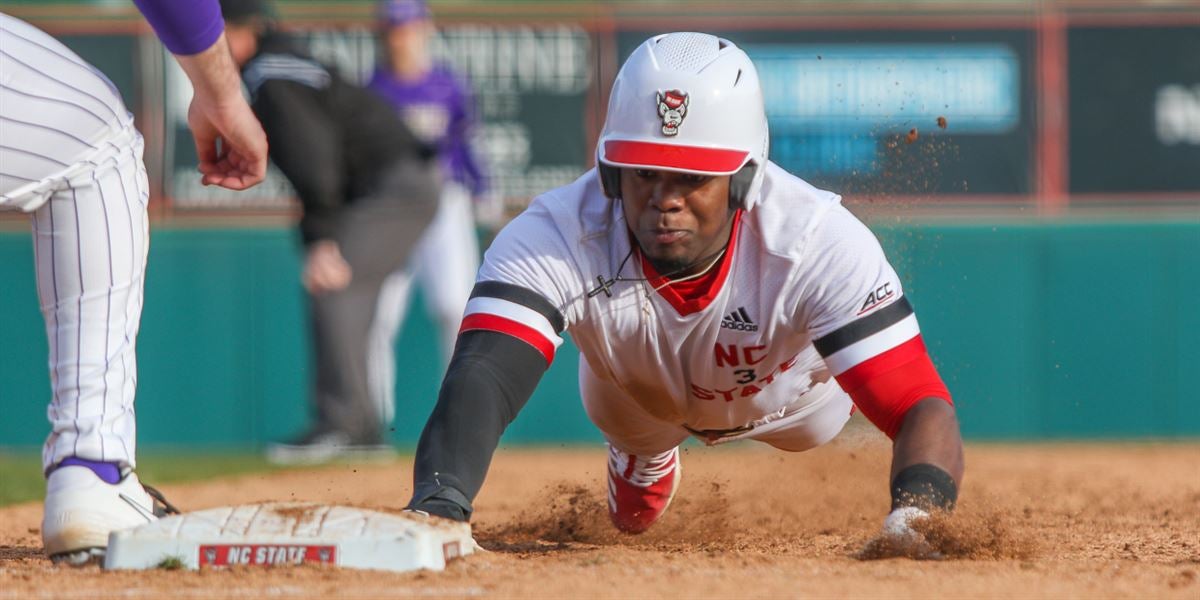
(887, 386)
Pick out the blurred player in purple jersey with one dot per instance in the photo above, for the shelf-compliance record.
(436, 104)
(72, 158)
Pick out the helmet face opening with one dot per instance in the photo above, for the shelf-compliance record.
(686, 102)
(740, 183)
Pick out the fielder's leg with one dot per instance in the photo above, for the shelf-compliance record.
(90, 244)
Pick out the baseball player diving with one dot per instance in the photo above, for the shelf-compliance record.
(70, 156)
(712, 295)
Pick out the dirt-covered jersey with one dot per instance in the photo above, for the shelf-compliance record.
(804, 293)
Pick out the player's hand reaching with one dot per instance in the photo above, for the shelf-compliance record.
(324, 268)
(899, 539)
(230, 141)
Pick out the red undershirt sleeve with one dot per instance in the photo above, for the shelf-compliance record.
(881, 361)
(885, 387)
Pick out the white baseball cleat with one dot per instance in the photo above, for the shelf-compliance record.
(81, 510)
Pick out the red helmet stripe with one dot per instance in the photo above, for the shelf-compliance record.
(667, 156)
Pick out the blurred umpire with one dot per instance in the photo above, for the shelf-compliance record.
(369, 189)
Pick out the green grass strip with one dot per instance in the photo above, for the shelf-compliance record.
(21, 472)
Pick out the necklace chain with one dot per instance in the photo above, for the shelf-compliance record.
(606, 285)
(701, 273)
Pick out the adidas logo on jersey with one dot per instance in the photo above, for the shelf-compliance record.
(738, 320)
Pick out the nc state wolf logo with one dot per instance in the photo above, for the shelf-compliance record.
(672, 107)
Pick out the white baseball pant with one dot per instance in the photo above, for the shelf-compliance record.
(90, 239)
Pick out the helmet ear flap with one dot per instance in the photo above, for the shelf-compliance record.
(739, 185)
(610, 181)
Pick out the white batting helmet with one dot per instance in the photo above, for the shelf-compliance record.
(687, 102)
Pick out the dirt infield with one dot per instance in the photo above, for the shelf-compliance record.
(1086, 520)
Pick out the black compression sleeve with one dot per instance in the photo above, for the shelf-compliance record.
(924, 486)
(490, 378)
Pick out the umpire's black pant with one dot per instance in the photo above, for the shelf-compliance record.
(376, 235)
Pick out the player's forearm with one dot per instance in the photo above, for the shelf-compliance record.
(213, 74)
(928, 442)
(490, 378)
(929, 435)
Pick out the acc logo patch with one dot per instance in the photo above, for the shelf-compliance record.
(672, 108)
(876, 298)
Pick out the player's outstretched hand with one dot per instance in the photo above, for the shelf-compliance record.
(324, 268)
(230, 141)
(899, 539)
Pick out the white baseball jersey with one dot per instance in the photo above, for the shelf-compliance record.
(70, 155)
(801, 274)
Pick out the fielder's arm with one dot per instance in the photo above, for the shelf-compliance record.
(229, 141)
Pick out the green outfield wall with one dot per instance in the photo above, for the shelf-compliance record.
(1062, 330)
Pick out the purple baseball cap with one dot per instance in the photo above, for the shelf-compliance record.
(398, 12)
